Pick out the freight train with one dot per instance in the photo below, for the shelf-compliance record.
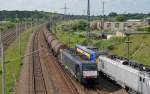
(83, 70)
(132, 76)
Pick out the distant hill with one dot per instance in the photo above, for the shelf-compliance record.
(22, 15)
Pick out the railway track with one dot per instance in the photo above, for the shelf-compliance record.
(56, 79)
(37, 77)
(81, 89)
(9, 36)
(67, 80)
(48, 76)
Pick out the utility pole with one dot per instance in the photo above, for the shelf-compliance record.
(65, 10)
(25, 23)
(103, 18)
(3, 62)
(31, 22)
(54, 19)
(128, 45)
(69, 31)
(89, 19)
(19, 36)
(18, 31)
(3, 65)
(18, 40)
(16, 26)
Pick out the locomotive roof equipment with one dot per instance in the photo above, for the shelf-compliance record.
(129, 74)
(90, 54)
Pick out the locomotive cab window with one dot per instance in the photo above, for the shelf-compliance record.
(140, 78)
(143, 79)
(89, 67)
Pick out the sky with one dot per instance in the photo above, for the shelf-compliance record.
(78, 6)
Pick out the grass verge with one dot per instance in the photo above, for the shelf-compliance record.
(12, 60)
(139, 48)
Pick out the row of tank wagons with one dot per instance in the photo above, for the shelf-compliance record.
(83, 71)
(132, 76)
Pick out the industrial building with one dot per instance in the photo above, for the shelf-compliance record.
(129, 25)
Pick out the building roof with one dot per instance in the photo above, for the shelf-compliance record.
(134, 20)
(148, 18)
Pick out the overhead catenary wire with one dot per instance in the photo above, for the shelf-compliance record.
(65, 8)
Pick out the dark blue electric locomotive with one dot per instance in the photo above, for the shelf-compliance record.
(83, 70)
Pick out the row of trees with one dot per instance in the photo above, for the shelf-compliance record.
(130, 15)
(113, 16)
(24, 15)
(6, 26)
(124, 17)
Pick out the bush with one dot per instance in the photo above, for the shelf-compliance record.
(144, 29)
(147, 29)
(82, 25)
(81, 36)
(111, 47)
(120, 18)
(86, 42)
(117, 39)
(10, 25)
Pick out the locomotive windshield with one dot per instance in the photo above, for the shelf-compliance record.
(89, 67)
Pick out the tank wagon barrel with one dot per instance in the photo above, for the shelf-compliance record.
(52, 40)
(57, 45)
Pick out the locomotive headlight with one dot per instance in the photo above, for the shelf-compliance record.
(90, 73)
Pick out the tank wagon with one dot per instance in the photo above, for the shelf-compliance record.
(53, 42)
(132, 76)
(83, 71)
(57, 45)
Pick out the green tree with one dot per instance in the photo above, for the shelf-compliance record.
(112, 14)
(120, 18)
(82, 25)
